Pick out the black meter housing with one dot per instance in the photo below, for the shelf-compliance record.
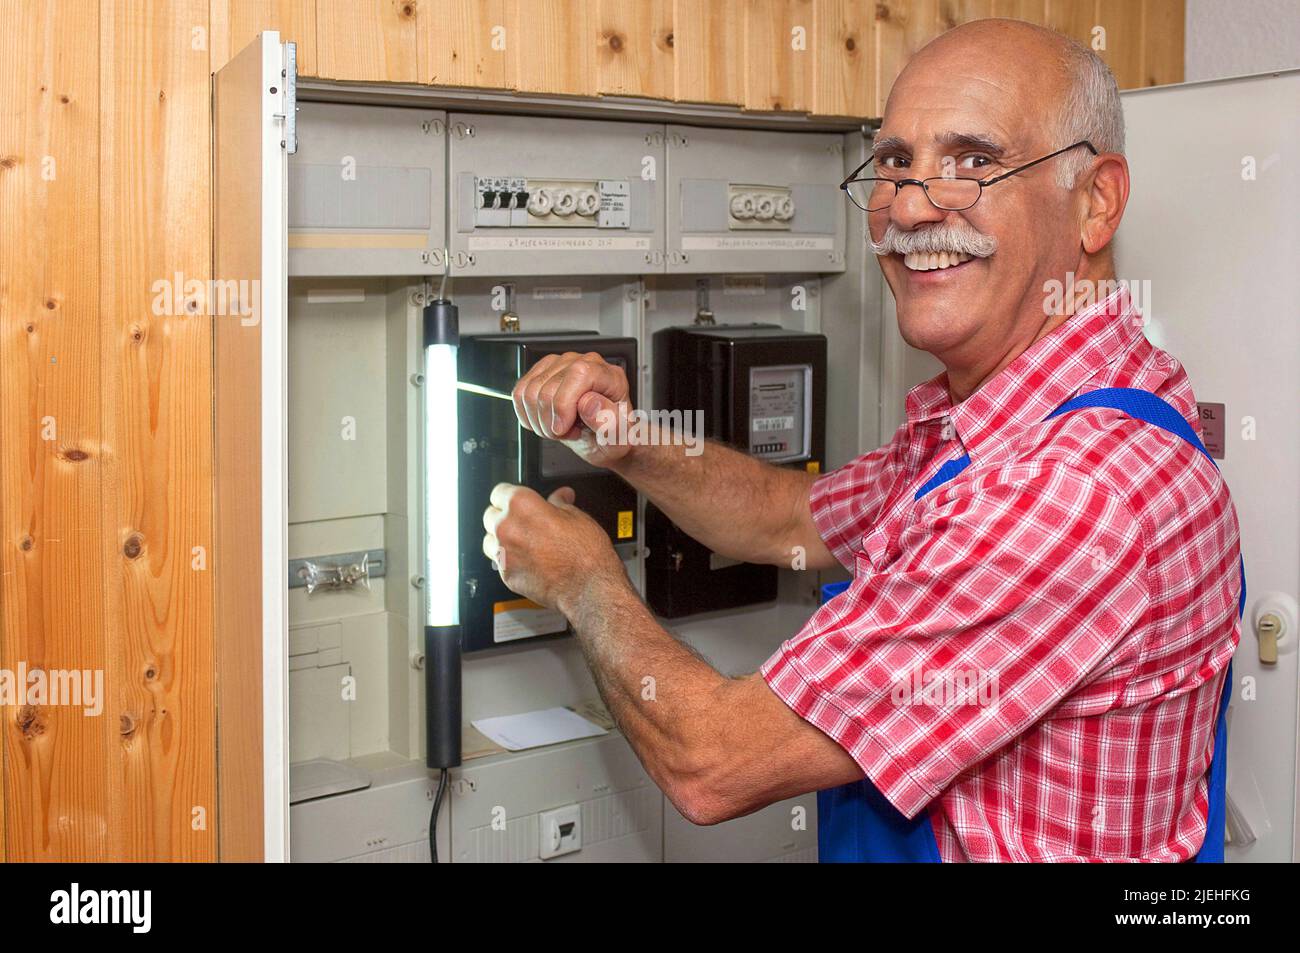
(762, 390)
(495, 449)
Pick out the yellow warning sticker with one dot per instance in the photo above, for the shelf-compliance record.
(813, 466)
(624, 524)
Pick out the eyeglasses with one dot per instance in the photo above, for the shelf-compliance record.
(945, 192)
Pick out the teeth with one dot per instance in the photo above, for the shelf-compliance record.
(931, 261)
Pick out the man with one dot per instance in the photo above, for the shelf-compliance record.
(1080, 573)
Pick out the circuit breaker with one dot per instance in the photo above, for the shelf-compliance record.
(762, 390)
(751, 201)
(534, 196)
(495, 449)
(367, 191)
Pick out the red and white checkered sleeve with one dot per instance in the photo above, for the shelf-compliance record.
(1005, 595)
(846, 501)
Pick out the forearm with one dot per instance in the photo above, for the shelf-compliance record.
(718, 747)
(735, 505)
(657, 689)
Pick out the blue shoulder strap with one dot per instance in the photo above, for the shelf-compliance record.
(855, 822)
(1146, 406)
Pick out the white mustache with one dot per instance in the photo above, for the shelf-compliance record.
(960, 238)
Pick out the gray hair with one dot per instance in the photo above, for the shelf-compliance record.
(1092, 110)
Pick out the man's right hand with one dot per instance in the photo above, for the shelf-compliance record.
(577, 399)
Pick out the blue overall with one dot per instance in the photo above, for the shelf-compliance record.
(856, 823)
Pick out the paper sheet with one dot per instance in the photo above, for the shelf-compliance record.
(532, 729)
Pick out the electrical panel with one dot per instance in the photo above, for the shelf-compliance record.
(495, 449)
(749, 201)
(533, 196)
(762, 390)
(367, 191)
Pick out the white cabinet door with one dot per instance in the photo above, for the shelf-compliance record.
(1212, 233)
(252, 136)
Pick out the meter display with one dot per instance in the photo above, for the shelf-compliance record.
(778, 412)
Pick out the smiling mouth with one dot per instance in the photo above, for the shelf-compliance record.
(934, 261)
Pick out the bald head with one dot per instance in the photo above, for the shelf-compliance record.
(1066, 89)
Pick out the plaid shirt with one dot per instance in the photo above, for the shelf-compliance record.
(1034, 651)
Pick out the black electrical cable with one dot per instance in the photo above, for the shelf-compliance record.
(433, 817)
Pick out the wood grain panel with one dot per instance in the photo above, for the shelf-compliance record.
(844, 81)
(1035, 11)
(709, 51)
(154, 224)
(367, 40)
(552, 46)
(463, 43)
(55, 800)
(1122, 21)
(1074, 18)
(634, 48)
(1163, 28)
(780, 45)
(235, 23)
(902, 28)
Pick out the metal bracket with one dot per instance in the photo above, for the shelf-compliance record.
(290, 74)
(703, 313)
(374, 560)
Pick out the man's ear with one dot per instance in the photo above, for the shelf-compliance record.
(1106, 197)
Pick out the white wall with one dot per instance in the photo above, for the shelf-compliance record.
(1237, 37)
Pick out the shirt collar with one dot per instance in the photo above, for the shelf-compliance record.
(1038, 381)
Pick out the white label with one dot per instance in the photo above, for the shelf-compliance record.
(568, 293)
(336, 295)
(766, 424)
(523, 620)
(757, 243)
(556, 243)
(744, 285)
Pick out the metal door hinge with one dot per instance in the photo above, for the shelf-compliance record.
(290, 76)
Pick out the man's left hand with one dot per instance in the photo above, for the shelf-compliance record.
(547, 550)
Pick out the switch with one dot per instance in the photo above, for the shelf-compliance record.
(1274, 621)
(561, 831)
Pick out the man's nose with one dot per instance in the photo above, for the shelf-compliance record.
(912, 207)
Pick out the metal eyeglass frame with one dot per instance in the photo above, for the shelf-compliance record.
(982, 183)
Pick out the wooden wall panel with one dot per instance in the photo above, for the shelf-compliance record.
(634, 48)
(552, 46)
(1122, 22)
(1163, 26)
(780, 49)
(844, 83)
(234, 24)
(902, 28)
(367, 40)
(155, 226)
(56, 801)
(1035, 11)
(463, 43)
(709, 51)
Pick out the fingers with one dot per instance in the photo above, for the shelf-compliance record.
(495, 554)
(547, 397)
(564, 496)
(503, 493)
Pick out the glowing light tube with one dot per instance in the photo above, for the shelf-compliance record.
(441, 537)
